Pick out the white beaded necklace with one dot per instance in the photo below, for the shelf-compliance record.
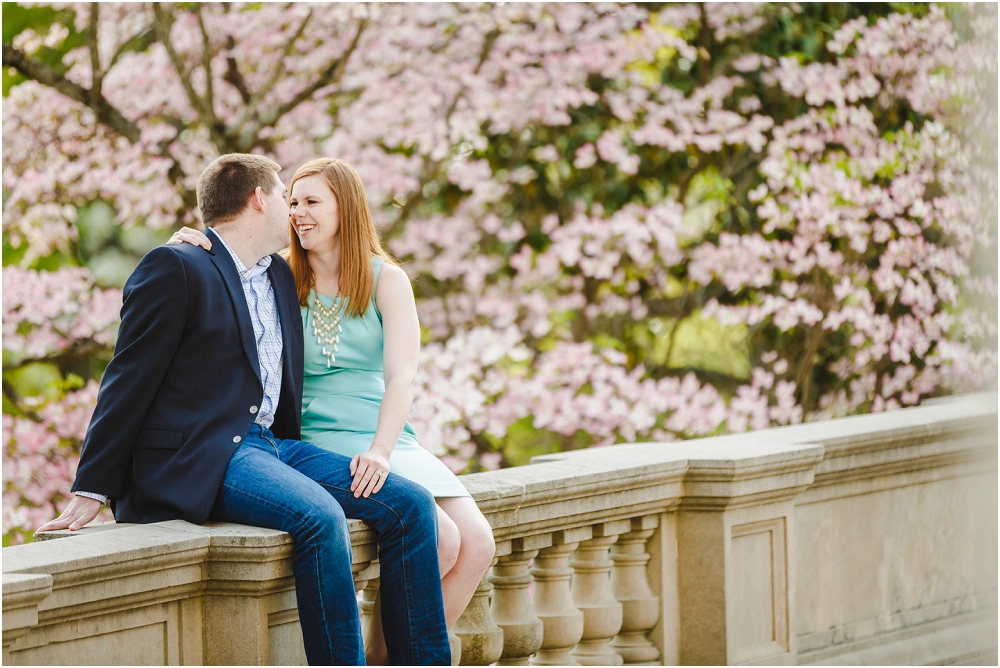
(327, 327)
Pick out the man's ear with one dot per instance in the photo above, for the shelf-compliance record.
(257, 199)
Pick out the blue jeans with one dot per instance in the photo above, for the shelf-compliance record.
(304, 490)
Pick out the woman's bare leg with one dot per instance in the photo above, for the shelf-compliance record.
(449, 541)
(476, 550)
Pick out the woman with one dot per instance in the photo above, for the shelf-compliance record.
(362, 342)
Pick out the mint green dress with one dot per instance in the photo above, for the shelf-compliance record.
(340, 404)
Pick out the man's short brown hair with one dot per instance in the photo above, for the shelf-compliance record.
(225, 187)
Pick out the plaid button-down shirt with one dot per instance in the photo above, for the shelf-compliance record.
(266, 330)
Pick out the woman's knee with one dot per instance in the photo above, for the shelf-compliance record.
(477, 545)
(449, 542)
(477, 541)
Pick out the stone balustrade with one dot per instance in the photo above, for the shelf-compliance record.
(869, 539)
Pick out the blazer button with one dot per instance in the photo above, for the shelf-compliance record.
(236, 439)
(253, 410)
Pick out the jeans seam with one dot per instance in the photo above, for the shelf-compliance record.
(270, 441)
(319, 592)
(408, 590)
(404, 559)
(414, 649)
(322, 607)
(347, 490)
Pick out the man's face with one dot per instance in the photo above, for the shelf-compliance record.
(277, 214)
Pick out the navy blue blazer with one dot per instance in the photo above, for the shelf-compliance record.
(184, 385)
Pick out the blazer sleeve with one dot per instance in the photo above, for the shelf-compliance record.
(154, 312)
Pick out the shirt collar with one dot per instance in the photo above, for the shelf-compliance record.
(254, 271)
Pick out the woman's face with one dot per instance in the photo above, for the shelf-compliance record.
(314, 213)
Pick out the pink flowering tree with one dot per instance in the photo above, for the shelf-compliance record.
(622, 222)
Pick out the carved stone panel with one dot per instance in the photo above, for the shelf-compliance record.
(759, 588)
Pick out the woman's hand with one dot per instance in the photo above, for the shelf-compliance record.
(369, 470)
(189, 235)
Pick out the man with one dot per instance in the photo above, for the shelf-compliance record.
(198, 418)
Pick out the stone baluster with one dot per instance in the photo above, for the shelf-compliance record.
(562, 622)
(522, 630)
(367, 605)
(640, 608)
(364, 572)
(482, 639)
(456, 648)
(602, 613)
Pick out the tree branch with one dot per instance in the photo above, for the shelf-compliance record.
(483, 446)
(91, 98)
(685, 181)
(233, 75)
(206, 60)
(431, 168)
(673, 339)
(163, 33)
(82, 350)
(331, 75)
(814, 338)
(705, 42)
(279, 71)
(201, 106)
(138, 42)
(15, 398)
(97, 75)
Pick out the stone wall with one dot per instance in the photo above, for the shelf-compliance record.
(869, 539)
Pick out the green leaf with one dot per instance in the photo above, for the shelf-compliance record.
(17, 19)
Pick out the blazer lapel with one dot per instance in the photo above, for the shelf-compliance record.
(231, 277)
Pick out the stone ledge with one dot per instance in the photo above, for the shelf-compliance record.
(221, 530)
(21, 596)
(141, 544)
(20, 592)
(557, 495)
(943, 642)
(861, 631)
(715, 473)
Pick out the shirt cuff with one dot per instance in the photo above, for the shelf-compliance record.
(91, 495)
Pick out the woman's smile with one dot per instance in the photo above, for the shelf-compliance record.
(314, 212)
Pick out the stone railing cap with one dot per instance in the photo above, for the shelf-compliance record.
(104, 548)
(549, 474)
(741, 451)
(17, 583)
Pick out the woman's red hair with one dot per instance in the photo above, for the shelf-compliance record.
(359, 240)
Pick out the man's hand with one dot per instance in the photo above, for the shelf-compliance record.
(80, 511)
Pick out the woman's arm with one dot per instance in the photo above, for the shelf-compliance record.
(401, 332)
